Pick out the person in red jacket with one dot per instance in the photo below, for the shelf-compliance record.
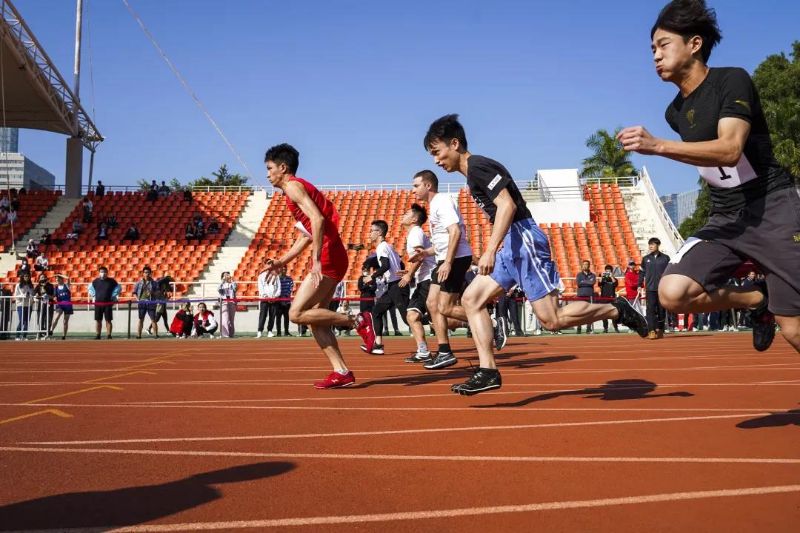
(632, 284)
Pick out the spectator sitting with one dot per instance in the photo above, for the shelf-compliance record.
(344, 309)
(4, 203)
(77, 228)
(187, 194)
(132, 234)
(24, 268)
(45, 239)
(14, 203)
(32, 251)
(102, 232)
(88, 207)
(11, 218)
(111, 221)
(199, 229)
(183, 322)
(100, 190)
(213, 227)
(164, 190)
(3, 216)
(41, 264)
(152, 192)
(190, 234)
(204, 322)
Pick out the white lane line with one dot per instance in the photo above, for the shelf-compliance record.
(411, 431)
(402, 457)
(447, 513)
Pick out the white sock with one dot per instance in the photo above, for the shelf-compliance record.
(422, 348)
(342, 371)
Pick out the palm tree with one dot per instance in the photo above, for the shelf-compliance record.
(608, 159)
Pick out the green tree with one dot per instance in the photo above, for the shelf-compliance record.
(608, 159)
(777, 80)
(221, 178)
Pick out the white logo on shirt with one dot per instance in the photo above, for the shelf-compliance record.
(494, 182)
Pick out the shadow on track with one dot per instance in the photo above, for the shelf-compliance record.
(435, 376)
(619, 389)
(774, 420)
(131, 505)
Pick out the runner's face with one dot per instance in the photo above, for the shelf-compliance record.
(409, 218)
(276, 172)
(445, 155)
(419, 189)
(672, 54)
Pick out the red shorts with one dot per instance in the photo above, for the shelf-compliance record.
(334, 258)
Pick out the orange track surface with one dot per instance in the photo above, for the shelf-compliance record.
(592, 433)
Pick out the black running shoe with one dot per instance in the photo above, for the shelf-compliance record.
(482, 380)
(442, 360)
(763, 326)
(630, 317)
(417, 357)
(500, 337)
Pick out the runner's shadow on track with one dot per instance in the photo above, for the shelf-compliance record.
(619, 389)
(132, 505)
(435, 376)
(774, 420)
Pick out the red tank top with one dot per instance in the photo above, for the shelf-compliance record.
(324, 205)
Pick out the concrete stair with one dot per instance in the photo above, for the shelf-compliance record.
(234, 247)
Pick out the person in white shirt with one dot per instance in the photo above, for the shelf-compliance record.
(388, 271)
(227, 306)
(453, 259)
(41, 263)
(269, 287)
(418, 274)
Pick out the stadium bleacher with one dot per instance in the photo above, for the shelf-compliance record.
(33, 205)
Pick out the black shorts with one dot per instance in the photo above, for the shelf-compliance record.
(419, 297)
(454, 284)
(767, 231)
(147, 310)
(103, 311)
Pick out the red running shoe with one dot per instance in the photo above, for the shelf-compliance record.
(365, 330)
(334, 380)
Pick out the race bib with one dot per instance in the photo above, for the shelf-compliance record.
(729, 177)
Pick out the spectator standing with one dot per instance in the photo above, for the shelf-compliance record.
(287, 286)
(44, 295)
(508, 310)
(367, 286)
(164, 190)
(204, 322)
(586, 280)
(23, 298)
(88, 207)
(100, 190)
(144, 292)
(608, 292)
(227, 294)
(187, 194)
(63, 296)
(5, 311)
(104, 291)
(32, 250)
(632, 284)
(653, 266)
(269, 288)
(24, 267)
(162, 294)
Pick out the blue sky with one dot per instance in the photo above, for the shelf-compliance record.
(354, 84)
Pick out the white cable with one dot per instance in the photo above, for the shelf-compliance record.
(186, 86)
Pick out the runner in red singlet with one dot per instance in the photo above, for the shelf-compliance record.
(317, 222)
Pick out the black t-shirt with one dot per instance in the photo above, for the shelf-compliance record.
(729, 92)
(485, 179)
(104, 289)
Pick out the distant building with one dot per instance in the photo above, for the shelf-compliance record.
(680, 206)
(16, 170)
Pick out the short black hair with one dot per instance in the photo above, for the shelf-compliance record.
(382, 225)
(445, 129)
(422, 215)
(284, 153)
(428, 177)
(147, 268)
(688, 18)
(609, 267)
(102, 267)
(654, 240)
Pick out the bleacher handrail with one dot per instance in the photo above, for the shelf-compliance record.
(658, 205)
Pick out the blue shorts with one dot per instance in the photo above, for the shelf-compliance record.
(525, 260)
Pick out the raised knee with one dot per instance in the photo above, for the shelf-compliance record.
(550, 324)
(296, 316)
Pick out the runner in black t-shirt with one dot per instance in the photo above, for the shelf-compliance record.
(518, 253)
(755, 211)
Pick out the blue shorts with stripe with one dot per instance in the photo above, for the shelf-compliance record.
(525, 260)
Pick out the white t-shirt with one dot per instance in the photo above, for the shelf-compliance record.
(443, 212)
(416, 238)
(384, 249)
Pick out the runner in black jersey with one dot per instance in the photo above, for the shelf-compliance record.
(755, 211)
(518, 253)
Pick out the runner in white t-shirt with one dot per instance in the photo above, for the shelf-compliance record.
(388, 271)
(453, 259)
(418, 273)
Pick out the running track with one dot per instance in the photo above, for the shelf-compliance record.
(590, 433)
